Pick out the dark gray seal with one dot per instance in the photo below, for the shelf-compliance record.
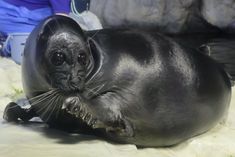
(131, 86)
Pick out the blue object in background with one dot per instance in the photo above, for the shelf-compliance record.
(15, 19)
(19, 17)
(17, 23)
(58, 6)
(14, 46)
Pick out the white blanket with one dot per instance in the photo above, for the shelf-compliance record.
(36, 140)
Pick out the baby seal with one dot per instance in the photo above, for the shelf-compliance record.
(133, 86)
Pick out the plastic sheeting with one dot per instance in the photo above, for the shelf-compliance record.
(35, 139)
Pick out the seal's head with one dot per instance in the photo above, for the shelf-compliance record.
(56, 56)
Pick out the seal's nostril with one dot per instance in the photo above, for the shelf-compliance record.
(75, 80)
(70, 77)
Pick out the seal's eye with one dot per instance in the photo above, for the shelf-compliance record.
(58, 58)
(82, 58)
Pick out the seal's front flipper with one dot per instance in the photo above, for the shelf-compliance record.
(75, 107)
(14, 113)
(98, 117)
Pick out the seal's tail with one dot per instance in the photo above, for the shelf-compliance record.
(223, 51)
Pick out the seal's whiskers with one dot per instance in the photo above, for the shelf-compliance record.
(60, 99)
(37, 99)
(48, 112)
(51, 108)
(47, 104)
(95, 90)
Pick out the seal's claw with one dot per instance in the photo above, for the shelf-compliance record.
(75, 107)
(96, 124)
(72, 105)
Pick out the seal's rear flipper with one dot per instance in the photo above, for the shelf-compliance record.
(223, 51)
(14, 113)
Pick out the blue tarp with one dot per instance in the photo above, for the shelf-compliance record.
(20, 19)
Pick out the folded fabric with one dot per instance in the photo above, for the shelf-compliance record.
(87, 20)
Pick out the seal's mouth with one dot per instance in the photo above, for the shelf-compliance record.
(67, 84)
(71, 90)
